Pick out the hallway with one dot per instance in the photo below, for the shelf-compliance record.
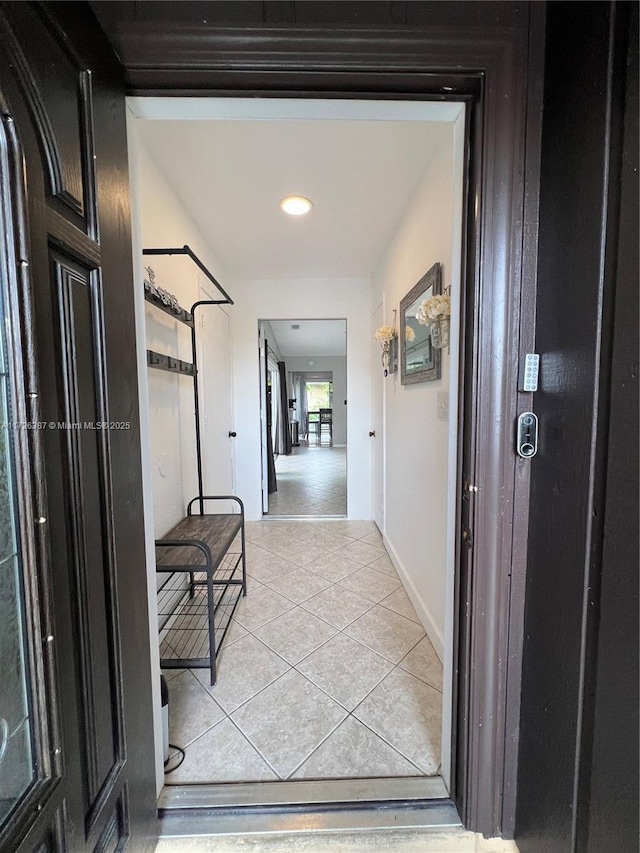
(311, 482)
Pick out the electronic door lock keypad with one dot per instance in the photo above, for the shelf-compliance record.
(527, 435)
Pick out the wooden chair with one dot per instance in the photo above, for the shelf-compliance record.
(326, 425)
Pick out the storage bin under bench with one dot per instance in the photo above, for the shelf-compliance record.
(204, 558)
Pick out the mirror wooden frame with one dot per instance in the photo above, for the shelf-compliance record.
(432, 279)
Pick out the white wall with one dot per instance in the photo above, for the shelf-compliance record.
(164, 222)
(147, 487)
(337, 364)
(417, 442)
(292, 299)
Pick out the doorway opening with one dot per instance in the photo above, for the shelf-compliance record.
(304, 418)
(348, 621)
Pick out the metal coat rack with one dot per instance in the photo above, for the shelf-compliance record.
(160, 361)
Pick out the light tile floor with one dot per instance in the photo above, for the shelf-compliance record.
(326, 673)
(311, 481)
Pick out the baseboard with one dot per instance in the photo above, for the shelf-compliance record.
(422, 609)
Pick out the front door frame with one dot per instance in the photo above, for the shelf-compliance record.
(497, 71)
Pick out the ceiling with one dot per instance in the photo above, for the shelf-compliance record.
(230, 176)
(313, 337)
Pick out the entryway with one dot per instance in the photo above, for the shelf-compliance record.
(344, 627)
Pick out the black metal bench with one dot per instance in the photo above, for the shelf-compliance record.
(204, 558)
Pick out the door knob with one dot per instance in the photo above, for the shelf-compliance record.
(372, 433)
(232, 434)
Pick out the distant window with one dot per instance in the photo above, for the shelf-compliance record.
(319, 396)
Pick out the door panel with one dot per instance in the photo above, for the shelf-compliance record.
(377, 449)
(96, 611)
(214, 363)
(264, 449)
(57, 88)
(84, 575)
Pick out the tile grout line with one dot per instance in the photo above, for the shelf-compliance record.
(391, 610)
(337, 701)
(206, 731)
(262, 689)
(253, 746)
(390, 745)
(408, 672)
(423, 680)
(246, 735)
(340, 630)
(324, 740)
(262, 625)
(355, 619)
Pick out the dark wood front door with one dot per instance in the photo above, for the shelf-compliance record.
(578, 762)
(79, 754)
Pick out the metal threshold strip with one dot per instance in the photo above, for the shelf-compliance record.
(305, 806)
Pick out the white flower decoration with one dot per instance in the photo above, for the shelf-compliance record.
(434, 308)
(385, 333)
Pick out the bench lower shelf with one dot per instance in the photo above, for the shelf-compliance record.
(184, 637)
(203, 564)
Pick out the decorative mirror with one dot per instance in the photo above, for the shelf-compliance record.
(419, 359)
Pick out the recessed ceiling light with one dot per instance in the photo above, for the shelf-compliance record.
(296, 205)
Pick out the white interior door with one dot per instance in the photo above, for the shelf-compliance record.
(262, 349)
(377, 442)
(214, 372)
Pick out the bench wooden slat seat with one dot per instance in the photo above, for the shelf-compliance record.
(199, 562)
(217, 532)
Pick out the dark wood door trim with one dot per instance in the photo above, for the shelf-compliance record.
(524, 402)
(490, 64)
